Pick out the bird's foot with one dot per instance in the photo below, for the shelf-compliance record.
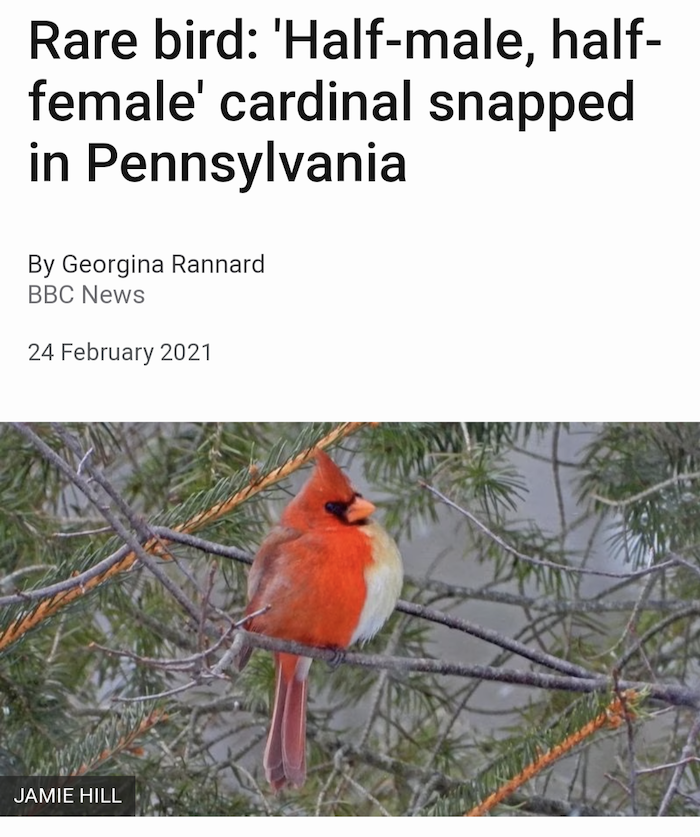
(337, 658)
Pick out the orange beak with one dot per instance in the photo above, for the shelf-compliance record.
(359, 509)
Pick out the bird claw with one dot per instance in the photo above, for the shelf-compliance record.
(337, 658)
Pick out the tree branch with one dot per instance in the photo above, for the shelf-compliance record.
(672, 694)
(687, 752)
(635, 498)
(539, 657)
(540, 562)
(72, 590)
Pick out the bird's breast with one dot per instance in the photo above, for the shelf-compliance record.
(328, 588)
(383, 576)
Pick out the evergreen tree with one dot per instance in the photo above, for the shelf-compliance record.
(543, 658)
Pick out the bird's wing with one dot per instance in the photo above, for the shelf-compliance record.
(263, 572)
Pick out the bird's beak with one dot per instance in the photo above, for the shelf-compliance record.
(359, 509)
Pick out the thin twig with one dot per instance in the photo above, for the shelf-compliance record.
(50, 604)
(635, 498)
(557, 484)
(544, 605)
(10, 579)
(686, 753)
(158, 695)
(74, 582)
(541, 562)
(212, 548)
(628, 716)
(689, 610)
(364, 792)
(137, 524)
(82, 534)
(660, 767)
(539, 657)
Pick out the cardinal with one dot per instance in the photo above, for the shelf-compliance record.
(329, 575)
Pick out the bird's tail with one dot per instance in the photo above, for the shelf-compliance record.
(285, 753)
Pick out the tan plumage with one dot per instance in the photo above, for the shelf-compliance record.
(331, 576)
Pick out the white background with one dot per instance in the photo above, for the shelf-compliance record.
(513, 275)
(533, 274)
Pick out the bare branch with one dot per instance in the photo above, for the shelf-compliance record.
(51, 604)
(111, 518)
(660, 767)
(210, 547)
(673, 694)
(540, 657)
(635, 498)
(686, 754)
(540, 562)
(77, 581)
(552, 606)
(10, 579)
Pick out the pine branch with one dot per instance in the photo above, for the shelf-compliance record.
(642, 495)
(126, 742)
(54, 602)
(673, 561)
(553, 606)
(671, 694)
(668, 693)
(417, 733)
(612, 716)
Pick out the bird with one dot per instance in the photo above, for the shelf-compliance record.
(327, 575)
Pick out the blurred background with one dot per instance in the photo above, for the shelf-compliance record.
(576, 546)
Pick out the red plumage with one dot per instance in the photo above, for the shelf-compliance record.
(330, 576)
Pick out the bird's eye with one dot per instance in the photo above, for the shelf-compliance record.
(336, 508)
